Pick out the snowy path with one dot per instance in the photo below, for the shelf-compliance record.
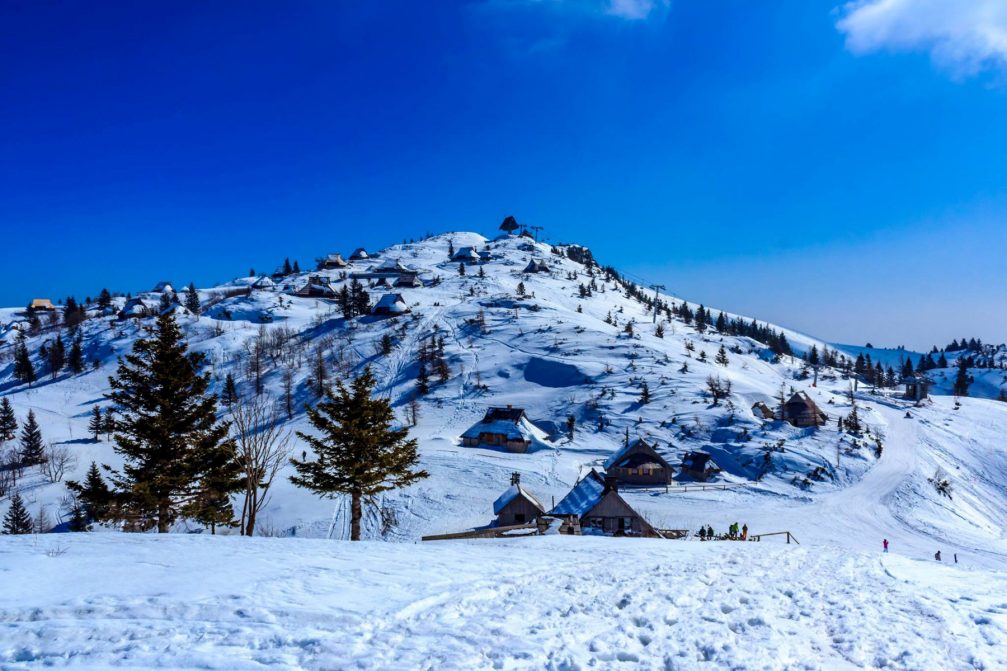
(540, 603)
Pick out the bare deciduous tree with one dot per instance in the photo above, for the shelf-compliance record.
(263, 447)
(58, 459)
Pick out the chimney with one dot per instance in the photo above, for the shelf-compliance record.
(515, 478)
(611, 485)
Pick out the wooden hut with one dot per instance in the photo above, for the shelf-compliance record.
(408, 281)
(316, 287)
(595, 507)
(516, 505)
(917, 388)
(762, 411)
(536, 266)
(42, 304)
(639, 464)
(699, 466)
(508, 428)
(359, 254)
(332, 262)
(467, 255)
(390, 304)
(801, 410)
(135, 308)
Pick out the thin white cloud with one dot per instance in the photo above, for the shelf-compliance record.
(627, 10)
(964, 37)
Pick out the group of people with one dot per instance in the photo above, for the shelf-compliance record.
(937, 555)
(733, 532)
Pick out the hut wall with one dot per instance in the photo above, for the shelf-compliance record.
(518, 511)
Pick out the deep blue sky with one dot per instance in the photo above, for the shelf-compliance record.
(737, 151)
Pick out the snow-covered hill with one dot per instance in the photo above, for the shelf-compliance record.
(558, 350)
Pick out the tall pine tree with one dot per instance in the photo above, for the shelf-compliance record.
(17, 520)
(97, 423)
(24, 371)
(192, 300)
(358, 452)
(75, 359)
(8, 421)
(32, 449)
(94, 495)
(167, 431)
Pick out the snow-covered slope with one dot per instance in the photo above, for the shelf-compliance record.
(553, 603)
(558, 353)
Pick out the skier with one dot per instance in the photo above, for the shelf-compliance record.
(886, 545)
(744, 532)
(938, 555)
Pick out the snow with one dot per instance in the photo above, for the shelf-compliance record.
(553, 353)
(599, 603)
(582, 498)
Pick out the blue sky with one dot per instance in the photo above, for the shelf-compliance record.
(837, 168)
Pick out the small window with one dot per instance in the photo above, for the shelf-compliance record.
(519, 518)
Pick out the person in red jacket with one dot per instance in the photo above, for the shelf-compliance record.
(886, 544)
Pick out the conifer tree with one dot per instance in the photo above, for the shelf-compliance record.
(461, 268)
(24, 371)
(167, 432)
(230, 394)
(192, 300)
(287, 268)
(521, 289)
(97, 423)
(451, 249)
(17, 521)
(423, 380)
(962, 379)
(94, 495)
(701, 319)
(8, 421)
(644, 393)
(297, 266)
(32, 450)
(659, 330)
(721, 357)
(109, 427)
(358, 452)
(104, 299)
(75, 359)
(386, 344)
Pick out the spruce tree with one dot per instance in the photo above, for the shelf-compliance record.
(75, 359)
(17, 521)
(722, 356)
(461, 269)
(644, 393)
(94, 495)
(422, 380)
(24, 371)
(287, 268)
(192, 300)
(659, 330)
(297, 266)
(97, 423)
(32, 450)
(109, 426)
(230, 394)
(104, 299)
(167, 432)
(358, 452)
(962, 379)
(8, 421)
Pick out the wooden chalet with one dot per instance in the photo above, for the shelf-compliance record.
(594, 506)
(359, 254)
(516, 505)
(408, 281)
(508, 428)
(467, 255)
(390, 304)
(316, 287)
(135, 308)
(917, 388)
(332, 262)
(801, 410)
(41, 304)
(536, 266)
(699, 466)
(639, 464)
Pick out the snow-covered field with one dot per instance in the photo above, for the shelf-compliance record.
(831, 602)
(103, 600)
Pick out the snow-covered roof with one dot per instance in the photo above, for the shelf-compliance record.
(264, 282)
(637, 447)
(512, 493)
(536, 266)
(699, 461)
(466, 254)
(392, 303)
(134, 307)
(584, 496)
(391, 266)
(163, 286)
(359, 253)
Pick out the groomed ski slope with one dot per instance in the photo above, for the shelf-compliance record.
(556, 603)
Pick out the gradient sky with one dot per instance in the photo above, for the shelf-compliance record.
(836, 168)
